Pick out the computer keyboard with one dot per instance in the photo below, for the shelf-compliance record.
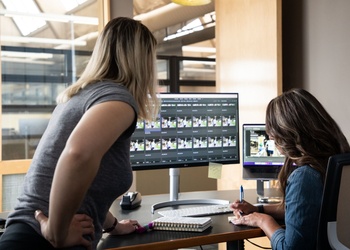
(197, 211)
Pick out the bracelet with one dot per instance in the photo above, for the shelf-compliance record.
(110, 229)
(260, 208)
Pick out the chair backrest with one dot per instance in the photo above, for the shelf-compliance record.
(334, 222)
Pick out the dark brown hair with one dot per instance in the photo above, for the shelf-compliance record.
(304, 132)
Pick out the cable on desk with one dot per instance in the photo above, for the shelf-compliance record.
(257, 245)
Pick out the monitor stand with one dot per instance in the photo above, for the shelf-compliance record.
(174, 195)
(273, 195)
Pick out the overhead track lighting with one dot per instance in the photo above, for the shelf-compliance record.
(192, 2)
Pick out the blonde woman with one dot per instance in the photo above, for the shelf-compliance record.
(81, 164)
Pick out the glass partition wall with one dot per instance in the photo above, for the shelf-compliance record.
(30, 85)
(44, 47)
(41, 53)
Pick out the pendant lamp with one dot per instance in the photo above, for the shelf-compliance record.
(192, 2)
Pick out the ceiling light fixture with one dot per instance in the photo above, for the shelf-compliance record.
(192, 2)
(52, 17)
(20, 39)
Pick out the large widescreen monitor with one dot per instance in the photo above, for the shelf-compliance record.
(261, 159)
(192, 129)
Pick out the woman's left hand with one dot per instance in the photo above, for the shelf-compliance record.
(252, 219)
(264, 221)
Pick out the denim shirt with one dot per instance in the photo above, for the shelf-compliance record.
(303, 198)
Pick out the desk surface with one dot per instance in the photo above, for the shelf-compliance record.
(221, 230)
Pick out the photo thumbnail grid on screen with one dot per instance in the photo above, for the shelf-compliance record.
(190, 129)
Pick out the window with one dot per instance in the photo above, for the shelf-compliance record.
(72, 4)
(25, 24)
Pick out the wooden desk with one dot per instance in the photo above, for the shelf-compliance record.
(221, 230)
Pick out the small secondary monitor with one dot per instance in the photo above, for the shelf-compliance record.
(192, 129)
(261, 158)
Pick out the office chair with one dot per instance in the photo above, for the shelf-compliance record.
(334, 221)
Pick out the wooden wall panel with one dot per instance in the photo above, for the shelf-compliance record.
(12, 167)
(248, 61)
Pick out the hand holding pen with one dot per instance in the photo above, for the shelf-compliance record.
(240, 206)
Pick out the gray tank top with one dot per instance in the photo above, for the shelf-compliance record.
(113, 178)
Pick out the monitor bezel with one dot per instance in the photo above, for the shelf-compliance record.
(267, 170)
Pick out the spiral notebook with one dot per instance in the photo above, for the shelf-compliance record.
(193, 224)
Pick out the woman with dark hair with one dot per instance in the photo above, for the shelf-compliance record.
(307, 135)
(82, 164)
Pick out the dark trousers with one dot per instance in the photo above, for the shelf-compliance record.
(20, 236)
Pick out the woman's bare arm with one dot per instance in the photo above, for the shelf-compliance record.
(98, 129)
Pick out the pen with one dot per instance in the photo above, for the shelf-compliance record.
(241, 194)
